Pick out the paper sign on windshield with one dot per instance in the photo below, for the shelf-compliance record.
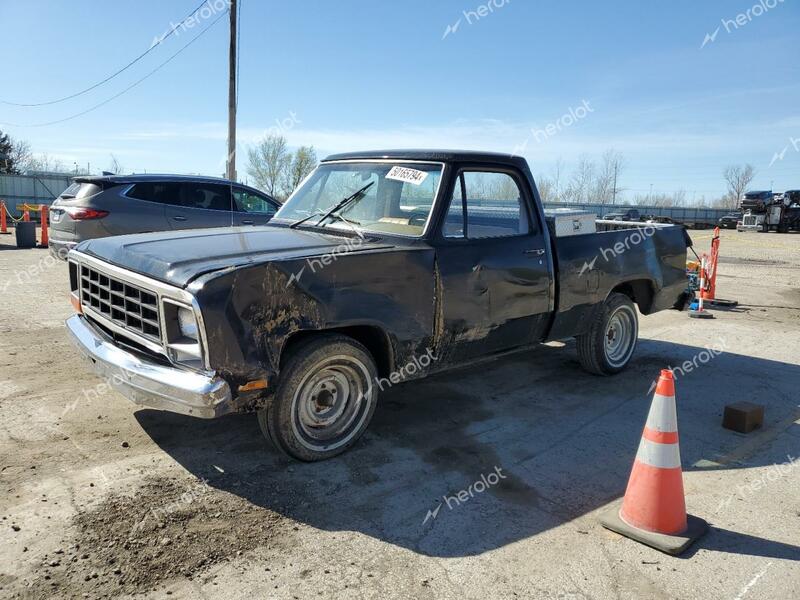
(407, 175)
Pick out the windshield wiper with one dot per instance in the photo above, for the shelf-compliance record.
(333, 209)
(304, 219)
(352, 198)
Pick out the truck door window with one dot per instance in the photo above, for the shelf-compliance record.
(486, 205)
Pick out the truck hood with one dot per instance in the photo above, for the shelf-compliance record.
(178, 257)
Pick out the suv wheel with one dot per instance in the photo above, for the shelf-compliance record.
(324, 401)
(608, 346)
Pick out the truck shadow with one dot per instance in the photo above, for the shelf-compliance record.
(475, 459)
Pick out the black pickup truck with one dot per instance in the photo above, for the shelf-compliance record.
(382, 267)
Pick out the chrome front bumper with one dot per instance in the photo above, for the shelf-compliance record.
(148, 383)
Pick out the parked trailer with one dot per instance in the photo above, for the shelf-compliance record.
(697, 218)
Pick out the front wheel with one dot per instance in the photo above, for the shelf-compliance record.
(324, 401)
(608, 346)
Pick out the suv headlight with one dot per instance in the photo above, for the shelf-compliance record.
(182, 335)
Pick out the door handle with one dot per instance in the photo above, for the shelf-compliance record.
(179, 218)
(247, 221)
(535, 251)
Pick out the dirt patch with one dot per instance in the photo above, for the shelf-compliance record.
(168, 529)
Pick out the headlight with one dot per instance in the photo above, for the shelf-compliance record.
(182, 335)
(187, 323)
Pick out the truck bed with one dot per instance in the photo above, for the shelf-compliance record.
(649, 257)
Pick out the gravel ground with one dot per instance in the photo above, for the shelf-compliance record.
(100, 499)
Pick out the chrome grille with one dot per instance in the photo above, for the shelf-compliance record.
(121, 303)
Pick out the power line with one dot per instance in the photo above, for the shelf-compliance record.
(113, 75)
(130, 87)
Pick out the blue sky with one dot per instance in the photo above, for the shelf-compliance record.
(351, 75)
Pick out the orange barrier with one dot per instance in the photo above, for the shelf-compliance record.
(45, 214)
(653, 510)
(709, 291)
(26, 215)
(701, 312)
(3, 224)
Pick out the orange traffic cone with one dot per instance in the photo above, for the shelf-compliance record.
(653, 510)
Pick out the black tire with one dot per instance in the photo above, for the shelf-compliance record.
(601, 354)
(325, 386)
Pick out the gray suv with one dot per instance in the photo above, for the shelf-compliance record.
(94, 207)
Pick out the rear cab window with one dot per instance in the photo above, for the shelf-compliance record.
(486, 204)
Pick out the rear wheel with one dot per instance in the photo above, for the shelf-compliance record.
(608, 346)
(324, 401)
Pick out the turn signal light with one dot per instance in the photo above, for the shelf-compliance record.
(76, 303)
(80, 213)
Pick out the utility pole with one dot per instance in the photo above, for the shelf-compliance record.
(614, 192)
(230, 171)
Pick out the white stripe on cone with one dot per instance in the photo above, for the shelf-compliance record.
(663, 415)
(662, 456)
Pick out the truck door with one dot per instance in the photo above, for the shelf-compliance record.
(493, 265)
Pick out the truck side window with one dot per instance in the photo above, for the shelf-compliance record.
(485, 205)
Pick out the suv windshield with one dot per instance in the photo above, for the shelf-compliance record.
(399, 200)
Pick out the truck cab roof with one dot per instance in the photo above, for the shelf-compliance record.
(497, 158)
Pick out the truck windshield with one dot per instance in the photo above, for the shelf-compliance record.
(398, 200)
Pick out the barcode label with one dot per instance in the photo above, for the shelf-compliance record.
(407, 175)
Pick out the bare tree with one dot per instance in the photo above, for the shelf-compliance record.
(558, 170)
(15, 155)
(115, 166)
(662, 199)
(303, 162)
(738, 178)
(606, 185)
(46, 163)
(547, 188)
(582, 181)
(269, 161)
(21, 156)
